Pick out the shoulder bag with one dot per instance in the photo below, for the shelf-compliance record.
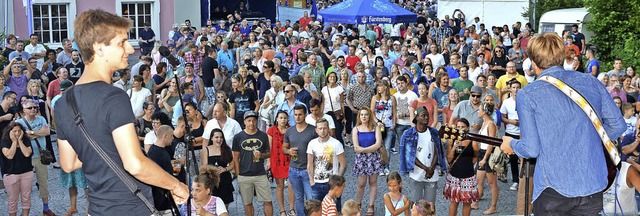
(339, 114)
(119, 171)
(46, 157)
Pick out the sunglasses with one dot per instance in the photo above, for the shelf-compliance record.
(219, 96)
(31, 108)
(475, 95)
(287, 91)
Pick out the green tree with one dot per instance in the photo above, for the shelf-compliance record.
(615, 27)
(542, 6)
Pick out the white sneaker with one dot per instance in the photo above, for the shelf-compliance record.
(56, 165)
(514, 187)
(385, 172)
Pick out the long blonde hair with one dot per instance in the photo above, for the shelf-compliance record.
(37, 82)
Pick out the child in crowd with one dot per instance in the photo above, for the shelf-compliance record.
(628, 111)
(312, 207)
(423, 208)
(351, 208)
(336, 187)
(202, 202)
(394, 202)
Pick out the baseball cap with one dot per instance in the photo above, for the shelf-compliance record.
(65, 84)
(476, 89)
(289, 54)
(418, 110)
(236, 29)
(396, 42)
(250, 113)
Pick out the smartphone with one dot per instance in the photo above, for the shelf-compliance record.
(19, 59)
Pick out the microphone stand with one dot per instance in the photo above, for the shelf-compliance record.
(527, 175)
(188, 139)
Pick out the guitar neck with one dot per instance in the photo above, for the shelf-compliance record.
(484, 139)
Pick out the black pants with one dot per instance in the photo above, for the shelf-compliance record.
(513, 161)
(550, 202)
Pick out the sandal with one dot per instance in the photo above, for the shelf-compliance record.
(283, 212)
(489, 212)
(292, 212)
(370, 213)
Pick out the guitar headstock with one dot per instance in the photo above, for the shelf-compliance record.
(450, 132)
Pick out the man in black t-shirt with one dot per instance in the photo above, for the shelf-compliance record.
(578, 38)
(108, 117)
(210, 72)
(76, 67)
(160, 156)
(250, 148)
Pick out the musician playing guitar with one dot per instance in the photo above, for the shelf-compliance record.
(571, 167)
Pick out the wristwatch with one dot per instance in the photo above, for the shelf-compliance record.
(31, 132)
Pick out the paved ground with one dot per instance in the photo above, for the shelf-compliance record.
(59, 200)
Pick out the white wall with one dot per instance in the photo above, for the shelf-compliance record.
(187, 9)
(491, 12)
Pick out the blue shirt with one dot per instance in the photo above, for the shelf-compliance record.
(453, 72)
(556, 131)
(593, 62)
(285, 107)
(25, 55)
(226, 59)
(36, 124)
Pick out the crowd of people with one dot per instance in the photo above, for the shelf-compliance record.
(286, 100)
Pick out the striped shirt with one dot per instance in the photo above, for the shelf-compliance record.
(329, 207)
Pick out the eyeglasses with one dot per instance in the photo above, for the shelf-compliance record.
(220, 96)
(498, 51)
(475, 95)
(31, 108)
(287, 91)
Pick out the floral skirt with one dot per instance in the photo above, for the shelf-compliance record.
(74, 179)
(367, 164)
(461, 190)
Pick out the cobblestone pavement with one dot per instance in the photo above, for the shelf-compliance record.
(59, 197)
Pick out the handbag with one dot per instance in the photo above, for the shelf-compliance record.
(119, 171)
(384, 155)
(339, 114)
(46, 157)
(498, 160)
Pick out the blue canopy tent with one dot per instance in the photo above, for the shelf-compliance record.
(366, 12)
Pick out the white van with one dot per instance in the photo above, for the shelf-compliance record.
(562, 19)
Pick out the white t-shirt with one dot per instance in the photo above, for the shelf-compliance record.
(231, 128)
(509, 108)
(626, 194)
(437, 60)
(150, 138)
(310, 120)
(335, 98)
(38, 48)
(137, 99)
(426, 153)
(325, 158)
(402, 102)
(526, 64)
(631, 123)
(473, 75)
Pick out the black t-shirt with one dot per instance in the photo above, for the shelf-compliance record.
(103, 108)
(208, 65)
(284, 74)
(3, 124)
(578, 40)
(243, 102)
(75, 71)
(245, 143)
(19, 164)
(161, 157)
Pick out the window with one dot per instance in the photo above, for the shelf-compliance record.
(50, 22)
(548, 27)
(139, 13)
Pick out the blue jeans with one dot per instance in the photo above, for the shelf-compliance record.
(302, 191)
(399, 130)
(389, 141)
(320, 190)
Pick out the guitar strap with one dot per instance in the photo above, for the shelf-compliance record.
(586, 107)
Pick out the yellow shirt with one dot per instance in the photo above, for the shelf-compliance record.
(502, 81)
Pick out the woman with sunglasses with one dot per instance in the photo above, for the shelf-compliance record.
(498, 65)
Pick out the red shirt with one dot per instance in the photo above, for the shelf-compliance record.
(304, 22)
(54, 88)
(350, 62)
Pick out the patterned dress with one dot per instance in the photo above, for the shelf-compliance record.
(279, 161)
(367, 164)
